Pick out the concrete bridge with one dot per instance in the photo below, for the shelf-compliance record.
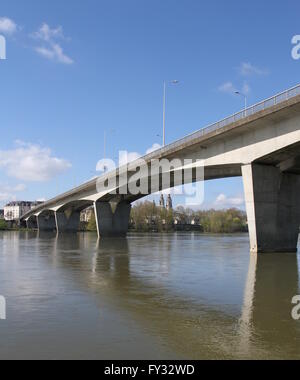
(261, 144)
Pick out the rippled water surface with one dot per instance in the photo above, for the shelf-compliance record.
(177, 296)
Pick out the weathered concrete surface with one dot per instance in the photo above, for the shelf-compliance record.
(46, 221)
(67, 221)
(111, 223)
(273, 208)
(270, 138)
(31, 223)
(223, 151)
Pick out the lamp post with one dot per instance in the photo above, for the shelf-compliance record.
(245, 98)
(173, 82)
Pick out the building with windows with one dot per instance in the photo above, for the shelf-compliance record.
(15, 210)
(86, 215)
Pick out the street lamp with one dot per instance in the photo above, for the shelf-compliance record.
(244, 96)
(173, 82)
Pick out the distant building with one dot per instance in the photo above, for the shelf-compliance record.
(177, 221)
(169, 205)
(162, 201)
(195, 222)
(1, 214)
(86, 215)
(15, 210)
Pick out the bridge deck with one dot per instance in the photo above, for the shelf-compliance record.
(279, 103)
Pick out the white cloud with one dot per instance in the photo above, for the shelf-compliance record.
(247, 69)
(7, 193)
(153, 148)
(246, 89)
(15, 189)
(107, 165)
(41, 200)
(228, 88)
(47, 34)
(28, 162)
(224, 201)
(55, 52)
(126, 157)
(7, 197)
(19, 188)
(51, 49)
(178, 190)
(7, 26)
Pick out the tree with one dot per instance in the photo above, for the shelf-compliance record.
(92, 225)
(3, 225)
(147, 216)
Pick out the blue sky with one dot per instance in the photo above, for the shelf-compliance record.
(77, 68)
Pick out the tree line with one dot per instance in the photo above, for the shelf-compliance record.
(146, 215)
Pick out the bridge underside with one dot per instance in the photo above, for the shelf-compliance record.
(272, 188)
(263, 148)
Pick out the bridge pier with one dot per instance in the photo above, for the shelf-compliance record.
(31, 223)
(273, 208)
(111, 223)
(67, 221)
(46, 222)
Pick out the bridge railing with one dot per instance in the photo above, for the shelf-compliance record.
(265, 104)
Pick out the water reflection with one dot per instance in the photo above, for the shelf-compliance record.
(276, 283)
(159, 311)
(266, 327)
(166, 286)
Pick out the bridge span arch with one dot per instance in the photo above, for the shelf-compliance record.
(46, 220)
(67, 216)
(261, 144)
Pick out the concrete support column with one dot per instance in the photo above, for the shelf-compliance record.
(111, 223)
(273, 208)
(46, 222)
(67, 221)
(31, 223)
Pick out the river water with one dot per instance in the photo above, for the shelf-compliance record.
(168, 296)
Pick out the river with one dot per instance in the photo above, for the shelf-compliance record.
(160, 296)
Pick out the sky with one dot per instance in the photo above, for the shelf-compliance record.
(75, 70)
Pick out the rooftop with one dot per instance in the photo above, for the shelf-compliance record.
(23, 203)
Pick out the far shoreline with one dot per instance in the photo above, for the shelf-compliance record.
(136, 232)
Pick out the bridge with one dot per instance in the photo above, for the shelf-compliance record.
(261, 144)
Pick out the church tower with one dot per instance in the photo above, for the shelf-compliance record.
(169, 203)
(162, 201)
